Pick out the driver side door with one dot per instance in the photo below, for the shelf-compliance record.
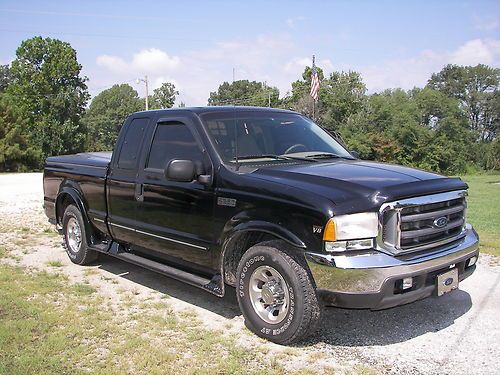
(175, 218)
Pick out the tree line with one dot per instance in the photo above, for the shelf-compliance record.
(449, 126)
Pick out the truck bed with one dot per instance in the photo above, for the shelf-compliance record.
(85, 173)
(94, 159)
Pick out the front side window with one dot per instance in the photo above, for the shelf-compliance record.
(173, 140)
(274, 136)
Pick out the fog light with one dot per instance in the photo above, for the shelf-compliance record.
(472, 261)
(407, 283)
(341, 246)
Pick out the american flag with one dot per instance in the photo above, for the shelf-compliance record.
(314, 81)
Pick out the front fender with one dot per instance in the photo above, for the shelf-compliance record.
(264, 227)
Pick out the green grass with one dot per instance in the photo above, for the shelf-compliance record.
(47, 328)
(483, 210)
(54, 263)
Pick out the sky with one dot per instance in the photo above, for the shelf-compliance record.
(198, 44)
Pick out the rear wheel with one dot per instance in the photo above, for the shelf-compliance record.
(276, 294)
(75, 237)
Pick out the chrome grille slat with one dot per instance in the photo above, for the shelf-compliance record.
(433, 214)
(429, 231)
(422, 223)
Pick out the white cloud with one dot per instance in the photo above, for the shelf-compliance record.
(155, 61)
(147, 61)
(297, 64)
(415, 71)
(473, 52)
(112, 63)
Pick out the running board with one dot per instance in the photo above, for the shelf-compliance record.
(213, 285)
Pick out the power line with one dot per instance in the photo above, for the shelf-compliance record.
(130, 36)
(92, 15)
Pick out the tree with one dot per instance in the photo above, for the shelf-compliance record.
(245, 92)
(16, 153)
(106, 114)
(5, 77)
(51, 94)
(342, 95)
(476, 88)
(163, 97)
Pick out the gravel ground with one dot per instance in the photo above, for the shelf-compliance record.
(454, 334)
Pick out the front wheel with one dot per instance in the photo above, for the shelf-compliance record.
(276, 294)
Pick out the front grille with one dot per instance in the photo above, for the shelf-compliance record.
(422, 223)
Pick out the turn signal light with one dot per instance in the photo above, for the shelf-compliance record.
(329, 233)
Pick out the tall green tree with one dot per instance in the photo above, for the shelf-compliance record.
(51, 94)
(244, 92)
(106, 114)
(163, 97)
(343, 94)
(476, 88)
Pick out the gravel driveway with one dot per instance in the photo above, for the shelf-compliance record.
(458, 333)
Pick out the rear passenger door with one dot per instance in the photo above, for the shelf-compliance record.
(175, 219)
(121, 184)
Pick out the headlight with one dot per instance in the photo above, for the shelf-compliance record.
(351, 232)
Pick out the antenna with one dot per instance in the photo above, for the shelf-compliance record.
(235, 132)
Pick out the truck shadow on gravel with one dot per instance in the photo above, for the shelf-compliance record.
(339, 327)
(226, 307)
(366, 328)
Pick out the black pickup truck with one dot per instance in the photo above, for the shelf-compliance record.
(266, 201)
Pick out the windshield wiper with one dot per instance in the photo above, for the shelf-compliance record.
(262, 156)
(272, 156)
(326, 155)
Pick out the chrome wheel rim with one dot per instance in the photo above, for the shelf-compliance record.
(74, 235)
(269, 295)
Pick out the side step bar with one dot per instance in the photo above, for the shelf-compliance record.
(214, 286)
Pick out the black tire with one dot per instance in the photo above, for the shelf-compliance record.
(304, 311)
(77, 254)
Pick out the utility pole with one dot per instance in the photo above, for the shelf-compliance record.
(145, 80)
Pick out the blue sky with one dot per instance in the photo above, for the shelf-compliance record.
(196, 44)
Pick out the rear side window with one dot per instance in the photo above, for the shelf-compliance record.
(173, 140)
(132, 143)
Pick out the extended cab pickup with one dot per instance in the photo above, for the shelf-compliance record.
(266, 201)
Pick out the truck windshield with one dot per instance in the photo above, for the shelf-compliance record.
(254, 136)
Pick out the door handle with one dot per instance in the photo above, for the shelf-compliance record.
(139, 192)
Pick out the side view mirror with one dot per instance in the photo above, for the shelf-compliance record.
(180, 170)
(355, 154)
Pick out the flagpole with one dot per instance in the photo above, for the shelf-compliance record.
(314, 101)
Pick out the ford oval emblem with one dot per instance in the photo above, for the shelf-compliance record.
(448, 281)
(440, 222)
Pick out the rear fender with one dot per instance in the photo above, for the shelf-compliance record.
(77, 198)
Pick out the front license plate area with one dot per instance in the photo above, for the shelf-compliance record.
(447, 281)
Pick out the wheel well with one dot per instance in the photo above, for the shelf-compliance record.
(63, 201)
(236, 247)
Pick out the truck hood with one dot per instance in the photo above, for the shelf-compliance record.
(350, 183)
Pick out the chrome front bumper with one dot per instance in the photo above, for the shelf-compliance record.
(369, 280)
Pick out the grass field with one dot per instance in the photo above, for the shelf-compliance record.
(483, 210)
(48, 326)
